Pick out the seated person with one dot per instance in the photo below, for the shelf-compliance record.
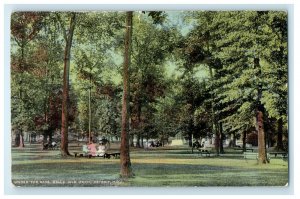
(101, 149)
(92, 149)
(85, 149)
(196, 145)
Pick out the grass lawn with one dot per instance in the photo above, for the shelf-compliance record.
(157, 167)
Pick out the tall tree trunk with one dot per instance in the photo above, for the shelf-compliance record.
(139, 110)
(261, 138)
(234, 140)
(64, 116)
(138, 138)
(142, 142)
(126, 170)
(244, 141)
(279, 134)
(21, 145)
(214, 124)
(262, 158)
(217, 143)
(221, 139)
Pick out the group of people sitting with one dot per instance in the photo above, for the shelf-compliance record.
(50, 145)
(94, 150)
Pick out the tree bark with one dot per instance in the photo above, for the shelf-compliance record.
(138, 137)
(126, 170)
(64, 121)
(214, 123)
(217, 143)
(142, 142)
(279, 135)
(244, 141)
(262, 158)
(261, 138)
(21, 145)
(222, 137)
(139, 110)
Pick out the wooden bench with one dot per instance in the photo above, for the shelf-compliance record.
(241, 149)
(282, 153)
(205, 151)
(250, 155)
(80, 154)
(116, 155)
(254, 156)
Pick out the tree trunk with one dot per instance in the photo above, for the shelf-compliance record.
(262, 158)
(126, 170)
(232, 140)
(138, 137)
(214, 123)
(21, 145)
(139, 109)
(64, 121)
(131, 138)
(244, 141)
(261, 138)
(217, 143)
(222, 137)
(190, 137)
(279, 135)
(142, 142)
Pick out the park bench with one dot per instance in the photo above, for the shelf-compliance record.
(206, 151)
(91, 151)
(115, 155)
(253, 156)
(282, 153)
(241, 149)
(51, 146)
(87, 151)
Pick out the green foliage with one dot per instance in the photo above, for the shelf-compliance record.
(236, 39)
(109, 117)
(216, 78)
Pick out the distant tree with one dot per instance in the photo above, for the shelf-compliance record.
(149, 52)
(102, 31)
(24, 28)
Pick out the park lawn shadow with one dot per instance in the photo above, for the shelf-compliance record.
(157, 175)
(79, 172)
(32, 167)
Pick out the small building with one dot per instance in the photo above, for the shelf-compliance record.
(178, 140)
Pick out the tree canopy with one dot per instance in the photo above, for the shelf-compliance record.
(216, 74)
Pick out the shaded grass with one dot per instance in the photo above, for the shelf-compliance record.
(157, 167)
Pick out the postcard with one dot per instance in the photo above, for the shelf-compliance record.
(149, 98)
